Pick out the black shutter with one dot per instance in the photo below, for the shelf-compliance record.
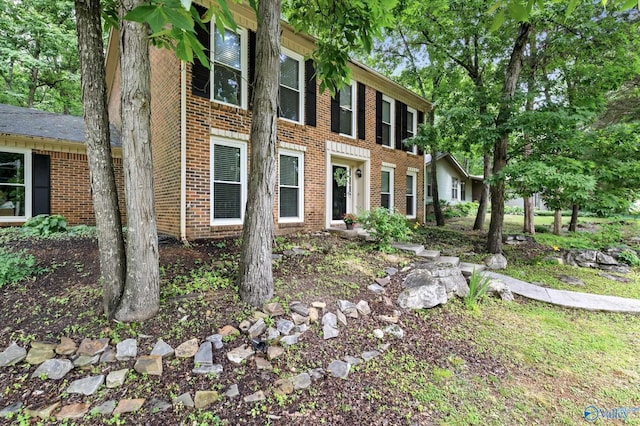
(310, 93)
(41, 184)
(335, 113)
(361, 107)
(420, 121)
(379, 118)
(399, 125)
(405, 129)
(201, 75)
(252, 67)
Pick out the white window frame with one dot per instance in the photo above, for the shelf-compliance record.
(353, 110)
(300, 59)
(415, 194)
(244, 65)
(243, 180)
(414, 149)
(463, 190)
(28, 171)
(391, 171)
(428, 183)
(392, 124)
(300, 156)
(455, 188)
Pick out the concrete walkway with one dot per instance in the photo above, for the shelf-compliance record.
(569, 299)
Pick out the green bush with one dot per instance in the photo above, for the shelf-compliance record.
(541, 229)
(519, 211)
(385, 227)
(15, 266)
(629, 257)
(45, 225)
(460, 210)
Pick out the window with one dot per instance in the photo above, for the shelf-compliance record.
(347, 110)
(229, 70)
(387, 121)
(291, 175)
(411, 195)
(428, 181)
(291, 86)
(229, 182)
(463, 190)
(15, 168)
(454, 188)
(386, 189)
(412, 126)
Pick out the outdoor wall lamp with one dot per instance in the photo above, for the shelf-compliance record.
(359, 173)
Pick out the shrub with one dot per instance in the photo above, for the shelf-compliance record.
(460, 210)
(15, 266)
(515, 210)
(629, 257)
(541, 229)
(45, 225)
(385, 227)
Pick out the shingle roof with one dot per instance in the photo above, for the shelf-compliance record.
(31, 122)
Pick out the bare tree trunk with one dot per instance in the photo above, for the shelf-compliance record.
(435, 196)
(484, 195)
(574, 218)
(557, 222)
(256, 276)
(529, 227)
(512, 73)
(141, 298)
(529, 210)
(103, 183)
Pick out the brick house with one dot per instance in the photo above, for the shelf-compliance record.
(335, 155)
(43, 166)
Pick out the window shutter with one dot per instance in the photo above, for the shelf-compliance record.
(335, 113)
(400, 123)
(405, 129)
(379, 118)
(201, 75)
(41, 189)
(252, 66)
(310, 93)
(361, 107)
(420, 121)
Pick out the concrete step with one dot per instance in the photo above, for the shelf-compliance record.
(432, 255)
(450, 260)
(468, 268)
(415, 248)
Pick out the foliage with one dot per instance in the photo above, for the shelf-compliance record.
(45, 225)
(349, 218)
(16, 266)
(385, 227)
(478, 286)
(629, 257)
(460, 209)
(514, 210)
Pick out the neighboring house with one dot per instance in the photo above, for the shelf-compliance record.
(454, 183)
(538, 203)
(335, 155)
(43, 166)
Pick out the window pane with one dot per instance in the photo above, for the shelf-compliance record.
(12, 200)
(288, 170)
(289, 72)
(345, 97)
(386, 134)
(409, 185)
(289, 202)
(385, 181)
(226, 84)
(385, 201)
(410, 121)
(226, 200)
(386, 112)
(345, 122)
(11, 167)
(289, 104)
(226, 163)
(227, 51)
(410, 211)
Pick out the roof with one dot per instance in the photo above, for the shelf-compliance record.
(48, 125)
(452, 160)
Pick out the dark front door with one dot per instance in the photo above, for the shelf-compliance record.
(339, 198)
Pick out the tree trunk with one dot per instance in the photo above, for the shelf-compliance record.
(484, 195)
(512, 73)
(103, 183)
(574, 218)
(141, 298)
(256, 278)
(529, 226)
(437, 208)
(557, 222)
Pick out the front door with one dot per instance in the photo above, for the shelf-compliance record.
(340, 193)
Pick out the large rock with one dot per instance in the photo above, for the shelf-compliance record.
(447, 276)
(499, 288)
(425, 296)
(86, 386)
(53, 369)
(496, 261)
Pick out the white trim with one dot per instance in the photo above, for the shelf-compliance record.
(244, 65)
(415, 127)
(392, 112)
(183, 150)
(348, 151)
(229, 134)
(300, 156)
(243, 180)
(413, 169)
(301, 89)
(28, 171)
(354, 111)
(391, 172)
(415, 193)
(292, 147)
(388, 165)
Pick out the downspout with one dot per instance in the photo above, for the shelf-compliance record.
(183, 151)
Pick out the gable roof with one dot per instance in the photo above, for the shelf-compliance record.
(47, 125)
(451, 159)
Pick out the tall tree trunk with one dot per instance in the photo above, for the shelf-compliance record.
(557, 222)
(141, 298)
(103, 183)
(512, 73)
(574, 218)
(484, 195)
(256, 276)
(435, 196)
(529, 227)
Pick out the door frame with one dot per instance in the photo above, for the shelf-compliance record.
(349, 188)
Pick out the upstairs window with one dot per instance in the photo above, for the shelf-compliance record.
(291, 86)
(229, 70)
(347, 110)
(387, 121)
(412, 126)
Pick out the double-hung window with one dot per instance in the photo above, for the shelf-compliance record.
(291, 189)
(428, 181)
(411, 195)
(386, 189)
(348, 110)
(463, 190)
(229, 70)
(388, 118)
(229, 181)
(454, 188)
(412, 126)
(15, 170)
(291, 86)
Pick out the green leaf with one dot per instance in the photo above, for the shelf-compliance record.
(571, 7)
(497, 21)
(141, 13)
(629, 4)
(517, 11)
(228, 17)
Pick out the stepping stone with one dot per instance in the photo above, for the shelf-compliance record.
(158, 405)
(274, 352)
(126, 350)
(109, 355)
(187, 349)
(53, 369)
(363, 308)
(185, 400)
(73, 411)
(299, 309)
(339, 369)
(204, 354)
(66, 346)
(301, 381)
(467, 268)
(128, 406)
(87, 386)
(255, 397)
(216, 341)
(37, 356)
(10, 410)
(449, 260)
(341, 318)
(391, 271)
(116, 379)
(329, 332)
(213, 369)
(162, 349)
(330, 319)
(383, 281)
(106, 408)
(289, 340)
(415, 248)
(204, 399)
(257, 328)
(43, 411)
(433, 255)
(232, 391)
(283, 387)
(274, 309)
(376, 288)
(369, 355)
(378, 333)
(395, 331)
(228, 330)
(239, 354)
(352, 360)
(149, 364)
(284, 326)
(84, 360)
(91, 347)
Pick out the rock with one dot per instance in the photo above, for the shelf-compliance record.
(272, 334)
(570, 280)
(300, 329)
(346, 306)
(369, 355)
(12, 355)
(299, 319)
(245, 325)
(126, 350)
(149, 364)
(273, 309)
(44, 345)
(289, 340)
(447, 276)
(605, 259)
(204, 354)
(216, 341)
(274, 352)
(115, 379)
(42, 411)
(426, 296)
(620, 269)
(257, 328)
(187, 349)
(91, 347)
(37, 356)
(497, 287)
(162, 349)
(376, 288)
(53, 369)
(615, 277)
(87, 386)
(341, 318)
(496, 261)
(263, 364)
(128, 406)
(259, 315)
(301, 381)
(339, 369)
(284, 326)
(10, 410)
(185, 400)
(228, 330)
(363, 308)
(232, 391)
(395, 331)
(378, 333)
(239, 354)
(391, 271)
(106, 408)
(387, 301)
(384, 347)
(109, 355)
(66, 346)
(383, 281)
(330, 319)
(158, 405)
(317, 373)
(211, 369)
(329, 332)
(299, 309)
(387, 318)
(319, 305)
(204, 399)
(352, 360)
(85, 360)
(313, 314)
(73, 411)
(283, 387)
(255, 397)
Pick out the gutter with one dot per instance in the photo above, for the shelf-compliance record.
(183, 151)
